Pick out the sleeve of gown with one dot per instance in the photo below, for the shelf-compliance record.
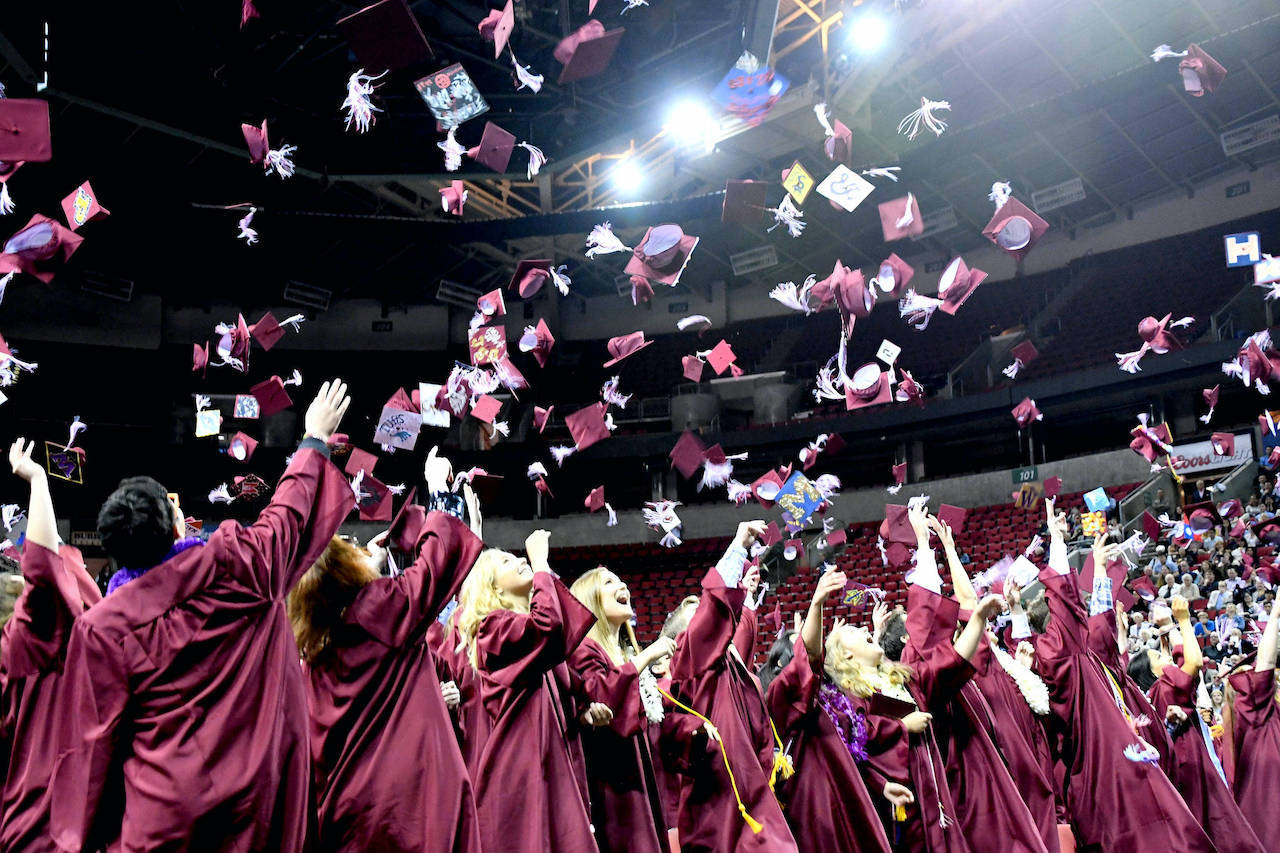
(1103, 638)
(744, 636)
(616, 686)
(792, 693)
(940, 675)
(86, 785)
(888, 750)
(400, 610)
(1068, 631)
(42, 626)
(517, 648)
(1255, 697)
(710, 630)
(310, 502)
(682, 746)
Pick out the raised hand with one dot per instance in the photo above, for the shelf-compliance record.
(437, 472)
(20, 461)
(1181, 610)
(943, 531)
(751, 580)
(828, 584)
(377, 548)
(1013, 595)
(656, 652)
(326, 410)
(918, 516)
(536, 548)
(989, 607)
(474, 516)
(748, 532)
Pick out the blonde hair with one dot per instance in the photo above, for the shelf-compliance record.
(480, 596)
(853, 677)
(588, 589)
(316, 604)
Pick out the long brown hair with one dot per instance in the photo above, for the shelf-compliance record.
(318, 601)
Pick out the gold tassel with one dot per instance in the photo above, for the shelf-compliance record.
(782, 764)
(754, 824)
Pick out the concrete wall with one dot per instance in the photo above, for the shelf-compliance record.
(1080, 474)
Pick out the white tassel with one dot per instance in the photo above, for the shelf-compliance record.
(4, 284)
(889, 172)
(562, 452)
(202, 402)
(247, 233)
(820, 110)
(452, 151)
(917, 310)
(77, 426)
(671, 539)
(12, 514)
(602, 241)
(613, 516)
(500, 428)
(884, 555)
(280, 160)
(632, 4)
(6, 200)
(397, 490)
(682, 324)
(1165, 51)
(796, 298)
(1204, 419)
(1183, 322)
(715, 474)
(924, 117)
(294, 321)
(536, 159)
(893, 490)
(525, 78)
(560, 280)
(611, 395)
(356, 482)
(1263, 388)
(1000, 192)
(1012, 370)
(359, 108)
(220, 495)
(789, 215)
(739, 493)
(295, 379)
(608, 422)
(387, 448)
(907, 216)
(828, 485)
(827, 388)
(1128, 361)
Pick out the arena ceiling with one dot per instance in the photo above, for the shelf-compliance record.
(148, 106)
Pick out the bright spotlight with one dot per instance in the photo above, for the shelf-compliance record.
(867, 32)
(627, 176)
(691, 123)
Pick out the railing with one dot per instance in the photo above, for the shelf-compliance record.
(1141, 499)
(1242, 315)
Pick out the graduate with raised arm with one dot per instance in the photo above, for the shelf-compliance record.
(518, 624)
(191, 720)
(727, 803)
(901, 701)
(1197, 771)
(999, 707)
(1251, 731)
(33, 648)
(1117, 795)
(389, 775)
(991, 812)
(827, 801)
(626, 801)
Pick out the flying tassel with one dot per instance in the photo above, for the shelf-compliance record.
(917, 310)
(924, 117)
(907, 216)
(671, 539)
(525, 78)
(796, 298)
(6, 200)
(894, 489)
(1000, 192)
(1012, 370)
(536, 159)
(884, 554)
(452, 151)
(1204, 419)
(562, 452)
(280, 160)
(1183, 322)
(889, 172)
(717, 473)
(820, 110)
(202, 402)
(4, 284)
(739, 493)
(220, 495)
(294, 321)
(789, 215)
(560, 280)
(1142, 753)
(295, 379)
(359, 108)
(683, 323)
(828, 485)
(1128, 361)
(632, 4)
(12, 514)
(356, 482)
(500, 428)
(613, 516)
(77, 426)
(247, 233)
(397, 490)
(602, 241)
(827, 388)
(1165, 51)
(611, 395)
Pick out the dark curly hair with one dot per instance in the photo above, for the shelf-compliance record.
(780, 654)
(894, 638)
(136, 523)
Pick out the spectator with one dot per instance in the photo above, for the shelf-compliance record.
(1268, 508)
(1254, 507)
(1137, 621)
(1213, 648)
(1228, 619)
(1234, 581)
(1160, 562)
(1220, 596)
(1188, 589)
(1203, 627)
(1160, 505)
(1198, 493)
(1264, 485)
(1170, 587)
(1249, 608)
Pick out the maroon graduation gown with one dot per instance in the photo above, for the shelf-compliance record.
(389, 776)
(32, 712)
(1115, 804)
(711, 679)
(626, 802)
(993, 816)
(1103, 643)
(190, 699)
(826, 801)
(1256, 752)
(677, 745)
(1195, 776)
(529, 791)
(471, 721)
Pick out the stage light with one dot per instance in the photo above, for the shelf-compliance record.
(867, 32)
(627, 176)
(691, 123)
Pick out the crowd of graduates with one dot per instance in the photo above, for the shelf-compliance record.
(275, 687)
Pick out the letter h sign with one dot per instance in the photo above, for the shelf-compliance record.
(1243, 250)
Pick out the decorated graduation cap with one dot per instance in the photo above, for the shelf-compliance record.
(586, 51)
(82, 206)
(744, 202)
(539, 341)
(24, 130)
(386, 36)
(497, 26)
(1014, 227)
(40, 248)
(957, 284)
(901, 218)
(869, 386)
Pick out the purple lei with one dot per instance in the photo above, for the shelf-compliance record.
(850, 724)
(123, 575)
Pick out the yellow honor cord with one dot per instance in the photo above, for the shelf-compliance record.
(754, 824)
(782, 764)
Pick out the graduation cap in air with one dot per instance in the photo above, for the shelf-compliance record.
(24, 130)
(744, 202)
(497, 26)
(586, 51)
(688, 454)
(386, 36)
(40, 248)
(82, 206)
(957, 284)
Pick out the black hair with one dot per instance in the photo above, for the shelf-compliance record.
(780, 654)
(136, 523)
(1140, 670)
(894, 638)
(1038, 614)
